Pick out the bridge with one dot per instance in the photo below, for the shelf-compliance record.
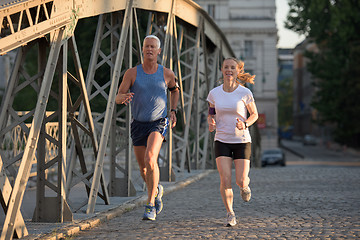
(51, 143)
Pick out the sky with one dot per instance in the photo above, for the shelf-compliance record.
(287, 38)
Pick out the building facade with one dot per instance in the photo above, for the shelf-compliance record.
(305, 116)
(250, 27)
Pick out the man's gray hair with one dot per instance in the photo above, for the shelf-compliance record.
(154, 37)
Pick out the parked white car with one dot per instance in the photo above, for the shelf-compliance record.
(273, 157)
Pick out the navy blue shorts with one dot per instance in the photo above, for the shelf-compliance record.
(140, 131)
(233, 150)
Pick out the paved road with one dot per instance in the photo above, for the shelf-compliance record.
(320, 155)
(293, 202)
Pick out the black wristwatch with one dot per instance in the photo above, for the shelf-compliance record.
(246, 126)
(173, 110)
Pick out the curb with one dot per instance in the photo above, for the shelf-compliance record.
(292, 151)
(102, 217)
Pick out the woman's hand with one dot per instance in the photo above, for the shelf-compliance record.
(212, 123)
(240, 124)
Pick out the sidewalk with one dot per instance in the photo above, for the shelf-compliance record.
(104, 213)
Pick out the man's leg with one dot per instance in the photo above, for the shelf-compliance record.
(152, 169)
(140, 158)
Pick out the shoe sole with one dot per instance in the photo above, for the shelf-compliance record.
(229, 225)
(148, 219)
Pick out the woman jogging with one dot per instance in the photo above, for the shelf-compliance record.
(229, 105)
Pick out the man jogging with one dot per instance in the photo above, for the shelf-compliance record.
(148, 84)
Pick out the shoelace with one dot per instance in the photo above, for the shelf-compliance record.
(230, 216)
(148, 208)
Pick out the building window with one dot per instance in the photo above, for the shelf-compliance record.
(249, 49)
(211, 10)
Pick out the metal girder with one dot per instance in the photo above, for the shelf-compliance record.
(6, 189)
(53, 209)
(189, 83)
(89, 130)
(29, 151)
(40, 17)
(24, 22)
(193, 47)
(167, 173)
(109, 109)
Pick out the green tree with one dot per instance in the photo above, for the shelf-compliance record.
(334, 26)
(285, 107)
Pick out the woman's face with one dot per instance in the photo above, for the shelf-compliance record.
(230, 70)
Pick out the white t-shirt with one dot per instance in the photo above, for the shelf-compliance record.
(228, 107)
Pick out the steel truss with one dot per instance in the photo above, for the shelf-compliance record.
(192, 46)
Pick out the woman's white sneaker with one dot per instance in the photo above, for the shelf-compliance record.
(245, 193)
(231, 219)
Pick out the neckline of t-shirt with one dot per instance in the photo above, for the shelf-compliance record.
(222, 89)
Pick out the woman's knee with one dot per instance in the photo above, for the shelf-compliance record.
(225, 182)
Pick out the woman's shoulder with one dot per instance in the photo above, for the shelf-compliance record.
(244, 90)
(216, 89)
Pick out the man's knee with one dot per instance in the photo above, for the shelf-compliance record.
(150, 162)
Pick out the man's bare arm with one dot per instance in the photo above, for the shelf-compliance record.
(124, 96)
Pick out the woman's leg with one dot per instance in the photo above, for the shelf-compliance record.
(224, 165)
(242, 168)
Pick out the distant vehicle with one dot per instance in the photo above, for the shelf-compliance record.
(274, 156)
(286, 132)
(309, 140)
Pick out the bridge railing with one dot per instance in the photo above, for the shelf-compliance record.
(193, 47)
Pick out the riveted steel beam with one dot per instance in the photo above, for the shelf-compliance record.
(29, 152)
(193, 47)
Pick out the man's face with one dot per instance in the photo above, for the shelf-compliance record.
(150, 48)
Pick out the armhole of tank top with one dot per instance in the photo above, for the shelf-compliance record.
(163, 70)
(136, 72)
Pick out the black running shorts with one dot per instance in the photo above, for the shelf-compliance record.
(233, 150)
(140, 131)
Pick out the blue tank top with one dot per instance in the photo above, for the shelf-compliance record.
(150, 96)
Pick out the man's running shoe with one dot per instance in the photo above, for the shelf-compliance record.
(231, 219)
(245, 193)
(150, 213)
(158, 201)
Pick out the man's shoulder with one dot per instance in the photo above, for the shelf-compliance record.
(168, 72)
(131, 71)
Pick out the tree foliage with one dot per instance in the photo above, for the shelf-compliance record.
(285, 107)
(334, 26)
